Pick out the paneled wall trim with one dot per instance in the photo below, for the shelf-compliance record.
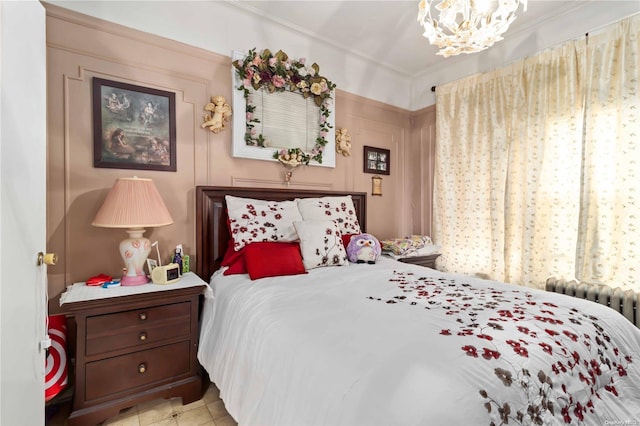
(420, 162)
(80, 47)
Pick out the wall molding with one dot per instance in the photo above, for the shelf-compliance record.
(244, 182)
(78, 50)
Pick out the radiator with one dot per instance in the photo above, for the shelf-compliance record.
(624, 301)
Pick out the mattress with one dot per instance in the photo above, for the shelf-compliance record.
(399, 344)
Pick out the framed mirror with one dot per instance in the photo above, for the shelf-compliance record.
(280, 104)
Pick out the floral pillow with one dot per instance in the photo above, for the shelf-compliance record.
(339, 209)
(259, 220)
(407, 245)
(321, 243)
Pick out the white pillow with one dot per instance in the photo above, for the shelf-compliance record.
(259, 220)
(339, 209)
(320, 243)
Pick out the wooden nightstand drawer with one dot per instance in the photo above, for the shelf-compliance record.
(105, 324)
(127, 372)
(137, 336)
(113, 332)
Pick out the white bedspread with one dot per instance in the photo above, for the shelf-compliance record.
(398, 344)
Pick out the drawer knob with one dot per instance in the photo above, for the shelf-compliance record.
(143, 316)
(142, 368)
(143, 336)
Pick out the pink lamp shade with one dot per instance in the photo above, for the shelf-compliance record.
(135, 204)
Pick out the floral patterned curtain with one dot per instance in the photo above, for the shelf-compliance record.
(609, 232)
(543, 183)
(470, 173)
(520, 158)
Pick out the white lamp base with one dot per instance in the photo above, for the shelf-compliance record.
(134, 251)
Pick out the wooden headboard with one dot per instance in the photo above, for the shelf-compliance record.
(212, 232)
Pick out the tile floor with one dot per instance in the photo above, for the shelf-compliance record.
(207, 411)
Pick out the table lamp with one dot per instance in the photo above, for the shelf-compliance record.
(133, 203)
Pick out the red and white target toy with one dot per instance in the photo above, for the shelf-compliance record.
(56, 362)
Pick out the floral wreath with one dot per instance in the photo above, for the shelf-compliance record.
(278, 73)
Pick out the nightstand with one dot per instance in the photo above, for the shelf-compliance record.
(134, 344)
(428, 261)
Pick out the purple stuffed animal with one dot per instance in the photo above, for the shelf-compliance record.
(363, 248)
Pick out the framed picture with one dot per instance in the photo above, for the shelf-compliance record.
(376, 160)
(151, 265)
(134, 127)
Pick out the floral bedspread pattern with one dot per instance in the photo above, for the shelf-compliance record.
(556, 361)
(398, 344)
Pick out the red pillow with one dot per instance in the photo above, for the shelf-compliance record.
(234, 260)
(346, 238)
(266, 259)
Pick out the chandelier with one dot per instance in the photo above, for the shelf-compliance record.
(466, 26)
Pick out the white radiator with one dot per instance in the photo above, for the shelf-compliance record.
(624, 301)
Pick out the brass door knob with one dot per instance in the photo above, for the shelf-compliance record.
(48, 259)
(142, 316)
(142, 368)
(143, 336)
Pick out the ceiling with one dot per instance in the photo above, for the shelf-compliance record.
(375, 29)
(353, 37)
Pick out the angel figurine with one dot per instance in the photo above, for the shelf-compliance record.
(343, 142)
(220, 111)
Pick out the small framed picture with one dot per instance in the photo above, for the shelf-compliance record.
(151, 265)
(377, 160)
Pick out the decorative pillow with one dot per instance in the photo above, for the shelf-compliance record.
(234, 260)
(273, 259)
(407, 245)
(258, 220)
(340, 209)
(346, 238)
(321, 243)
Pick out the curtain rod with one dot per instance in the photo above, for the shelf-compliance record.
(433, 88)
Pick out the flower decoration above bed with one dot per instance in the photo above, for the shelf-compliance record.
(292, 157)
(278, 73)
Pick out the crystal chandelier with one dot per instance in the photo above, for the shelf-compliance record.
(466, 26)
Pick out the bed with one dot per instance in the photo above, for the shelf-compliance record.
(398, 344)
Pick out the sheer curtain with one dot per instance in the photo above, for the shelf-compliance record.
(520, 159)
(470, 173)
(609, 232)
(543, 180)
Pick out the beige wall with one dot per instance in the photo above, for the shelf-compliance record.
(81, 47)
(420, 160)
